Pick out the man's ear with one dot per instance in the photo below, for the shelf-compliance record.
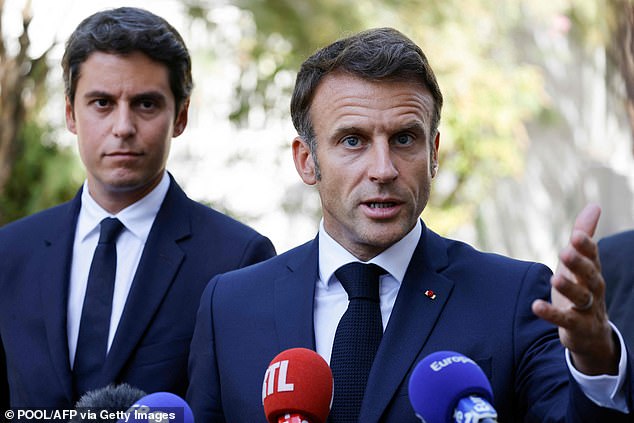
(181, 119)
(304, 162)
(70, 117)
(433, 155)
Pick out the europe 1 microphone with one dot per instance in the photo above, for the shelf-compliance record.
(448, 387)
(297, 388)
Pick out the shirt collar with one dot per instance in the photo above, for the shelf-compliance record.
(137, 218)
(394, 260)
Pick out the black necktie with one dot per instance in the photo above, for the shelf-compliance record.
(357, 339)
(92, 343)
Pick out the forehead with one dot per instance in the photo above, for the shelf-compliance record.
(118, 71)
(342, 99)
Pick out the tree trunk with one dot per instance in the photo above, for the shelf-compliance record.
(13, 79)
(623, 51)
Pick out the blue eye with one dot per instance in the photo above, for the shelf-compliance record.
(351, 141)
(404, 139)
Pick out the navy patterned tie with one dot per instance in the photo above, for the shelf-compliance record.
(357, 339)
(92, 343)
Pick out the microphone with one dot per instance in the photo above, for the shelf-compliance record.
(297, 388)
(159, 407)
(448, 387)
(100, 405)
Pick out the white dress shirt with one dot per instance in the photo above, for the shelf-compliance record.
(331, 302)
(137, 219)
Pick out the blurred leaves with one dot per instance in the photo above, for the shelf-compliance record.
(489, 93)
(475, 46)
(35, 173)
(44, 174)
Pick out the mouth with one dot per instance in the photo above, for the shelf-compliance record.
(381, 205)
(123, 154)
(382, 209)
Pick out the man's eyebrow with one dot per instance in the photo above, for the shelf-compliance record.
(412, 125)
(415, 126)
(346, 130)
(97, 93)
(147, 95)
(150, 95)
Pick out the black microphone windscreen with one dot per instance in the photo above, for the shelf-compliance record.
(112, 397)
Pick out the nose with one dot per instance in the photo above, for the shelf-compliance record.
(382, 168)
(123, 125)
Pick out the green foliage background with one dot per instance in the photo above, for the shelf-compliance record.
(475, 46)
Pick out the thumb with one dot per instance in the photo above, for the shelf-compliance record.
(588, 219)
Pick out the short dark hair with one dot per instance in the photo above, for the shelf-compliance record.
(380, 54)
(125, 30)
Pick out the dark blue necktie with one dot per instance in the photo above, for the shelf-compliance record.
(94, 326)
(357, 339)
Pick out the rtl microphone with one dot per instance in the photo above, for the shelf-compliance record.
(297, 388)
(162, 407)
(448, 387)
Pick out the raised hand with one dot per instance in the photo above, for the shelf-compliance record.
(578, 301)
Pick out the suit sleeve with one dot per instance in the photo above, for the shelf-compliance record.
(259, 249)
(545, 389)
(4, 381)
(203, 394)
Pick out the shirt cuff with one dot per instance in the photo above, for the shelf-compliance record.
(604, 390)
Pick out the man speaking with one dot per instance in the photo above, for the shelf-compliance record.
(377, 290)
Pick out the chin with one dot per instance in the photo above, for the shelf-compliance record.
(382, 241)
(124, 183)
(131, 178)
(127, 184)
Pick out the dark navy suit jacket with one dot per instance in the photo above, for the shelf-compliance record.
(187, 245)
(482, 309)
(617, 266)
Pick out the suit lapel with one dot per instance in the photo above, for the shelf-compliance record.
(411, 322)
(157, 268)
(294, 317)
(54, 276)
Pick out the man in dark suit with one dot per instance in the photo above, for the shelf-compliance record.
(617, 265)
(128, 83)
(367, 110)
